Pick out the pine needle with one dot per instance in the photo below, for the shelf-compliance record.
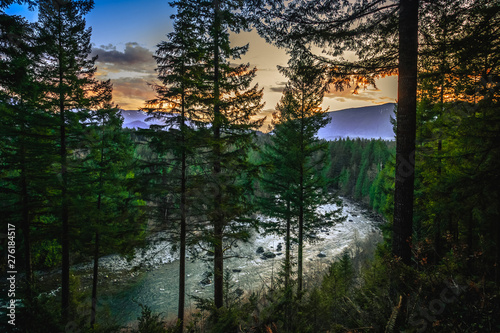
(392, 320)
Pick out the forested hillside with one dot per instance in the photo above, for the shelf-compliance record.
(77, 185)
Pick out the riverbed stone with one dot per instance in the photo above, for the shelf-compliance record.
(267, 255)
(321, 254)
(206, 281)
(260, 249)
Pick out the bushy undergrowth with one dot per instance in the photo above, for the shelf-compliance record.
(381, 295)
(355, 294)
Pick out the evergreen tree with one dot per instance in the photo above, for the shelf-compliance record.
(107, 193)
(295, 188)
(459, 85)
(26, 143)
(375, 31)
(181, 62)
(228, 108)
(70, 90)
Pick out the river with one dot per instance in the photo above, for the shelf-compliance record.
(151, 277)
(156, 285)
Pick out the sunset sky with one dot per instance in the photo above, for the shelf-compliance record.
(125, 34)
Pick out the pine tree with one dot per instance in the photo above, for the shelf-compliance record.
(295, 187)
(25, 145)
(373, 28)
(70, 90)
(181, 64)
(108, 195)
(458, 84)
(228, 108)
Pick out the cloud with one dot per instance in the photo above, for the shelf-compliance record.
(131, 92)
(372, 95)
(134, 58)
(278, 87)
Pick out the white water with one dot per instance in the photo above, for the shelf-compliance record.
(157, 287)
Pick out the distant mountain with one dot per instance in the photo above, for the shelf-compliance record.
(369, 122)
(137, 119)
(136, 124)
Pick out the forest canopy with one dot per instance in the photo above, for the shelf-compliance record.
(76, 185)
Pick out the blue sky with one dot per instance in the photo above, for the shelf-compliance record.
(122, 21)
(125, 34)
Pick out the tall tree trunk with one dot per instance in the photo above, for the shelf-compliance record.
(405, 131)
(470, 241)
(64, 183)
(96, 245)
(437, 237)
(182, 255)
(288, 291)
(301, 242)
(218, 216)
(301, 207)
(65, 213)
(25, 217)
(287, 246)
(438, 244)
(497, 263)
(93, 310)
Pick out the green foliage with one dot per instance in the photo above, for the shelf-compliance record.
(361, 169)
(149, 322)
(47, 254)
(66, 162)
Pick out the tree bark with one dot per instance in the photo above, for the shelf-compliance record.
(182, 250)
(93, 310)
(406, 130)
(25, 218)
(288, 291)
(218, 216)
(287, 246)
(65, 212)
(96, 245)
(301, 207)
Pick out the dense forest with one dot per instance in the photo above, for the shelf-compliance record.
(75, 185)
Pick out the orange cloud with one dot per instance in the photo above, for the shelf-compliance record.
(131, 93)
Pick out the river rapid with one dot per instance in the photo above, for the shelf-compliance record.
(151, 277)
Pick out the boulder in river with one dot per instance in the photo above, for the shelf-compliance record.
(206, 281)
(279, 247)
(206, 278)
(267, 255)
(236, 270)
(239, 292)
(321, 254)
(260, 249)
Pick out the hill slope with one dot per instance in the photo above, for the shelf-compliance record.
(370, 122)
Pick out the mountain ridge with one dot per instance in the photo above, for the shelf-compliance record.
(368, 122)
